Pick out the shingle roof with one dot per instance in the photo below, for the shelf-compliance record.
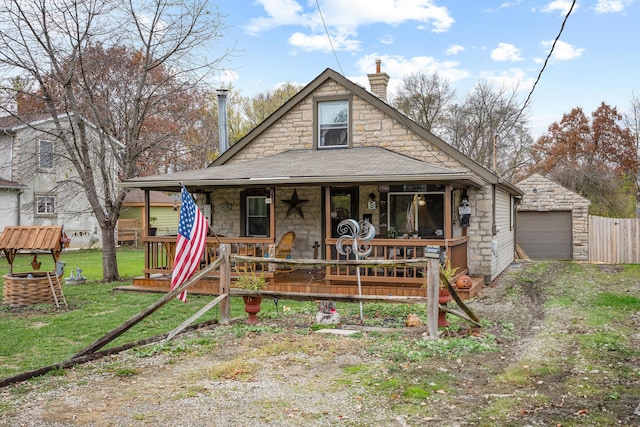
(364, 164)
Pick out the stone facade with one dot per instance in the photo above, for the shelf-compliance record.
(371, 126)
(542, 194)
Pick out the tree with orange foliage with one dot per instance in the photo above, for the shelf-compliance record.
(130, 69)
(596, 158)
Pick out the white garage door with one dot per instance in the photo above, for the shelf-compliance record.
(545, 235)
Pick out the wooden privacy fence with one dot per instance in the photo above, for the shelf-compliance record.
(614, 240)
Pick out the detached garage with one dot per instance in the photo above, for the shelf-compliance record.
(553, 222)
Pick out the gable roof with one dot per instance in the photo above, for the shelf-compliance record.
(541, 187)
(361, 92)
(360, 164)
(299, 167)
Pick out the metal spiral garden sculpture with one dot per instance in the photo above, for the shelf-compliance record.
(354, 239)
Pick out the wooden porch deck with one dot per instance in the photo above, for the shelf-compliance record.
(302, 281)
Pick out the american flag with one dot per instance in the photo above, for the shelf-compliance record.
(192, 234)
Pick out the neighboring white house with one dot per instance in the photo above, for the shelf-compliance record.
(38, 183)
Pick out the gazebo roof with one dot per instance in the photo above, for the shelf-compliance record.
(31, 238)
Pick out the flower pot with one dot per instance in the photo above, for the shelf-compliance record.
(252, 307)
(443, 297)
(36, 265)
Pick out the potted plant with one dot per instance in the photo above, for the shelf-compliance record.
(152, 230)
(251, 282)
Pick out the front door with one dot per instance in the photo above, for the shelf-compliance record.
(344, 205)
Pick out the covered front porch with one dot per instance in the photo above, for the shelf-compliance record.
(252, 205)
(343, 280)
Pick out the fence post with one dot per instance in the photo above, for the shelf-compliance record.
(225, 286)
(433, 287)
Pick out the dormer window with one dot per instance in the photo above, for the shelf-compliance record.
(333, 129)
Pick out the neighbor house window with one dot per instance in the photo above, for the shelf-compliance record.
(416, 213)
(45, 205)
(45, 154)
(257, 220)
(333, 123)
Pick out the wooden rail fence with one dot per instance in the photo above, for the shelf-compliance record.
(614, 240)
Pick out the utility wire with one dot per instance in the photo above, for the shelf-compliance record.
(329, 37)
(545, 63)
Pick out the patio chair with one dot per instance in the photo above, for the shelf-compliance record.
(283, 250)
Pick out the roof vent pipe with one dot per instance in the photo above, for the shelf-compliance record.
(223, 138)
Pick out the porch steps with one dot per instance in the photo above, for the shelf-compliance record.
(478, 285)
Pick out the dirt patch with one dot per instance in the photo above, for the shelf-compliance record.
(281, 374)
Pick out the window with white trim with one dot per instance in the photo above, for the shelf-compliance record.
(333, 124)
(45, 205)
(45, 154)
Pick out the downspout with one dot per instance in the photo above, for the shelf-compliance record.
(18, 205)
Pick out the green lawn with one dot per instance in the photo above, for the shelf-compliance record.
(40, 335)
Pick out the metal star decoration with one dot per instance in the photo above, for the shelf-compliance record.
(295, 204)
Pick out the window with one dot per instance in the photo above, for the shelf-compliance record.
(417, 213)
(257, 220)
(45, 205)
(333, 124)
(45, 154)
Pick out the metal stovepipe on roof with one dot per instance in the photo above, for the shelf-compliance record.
(223, 138)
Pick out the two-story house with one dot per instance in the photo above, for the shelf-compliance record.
(38, 183)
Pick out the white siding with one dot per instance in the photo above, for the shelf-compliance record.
(503, 240)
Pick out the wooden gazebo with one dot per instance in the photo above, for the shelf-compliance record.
(32, 287)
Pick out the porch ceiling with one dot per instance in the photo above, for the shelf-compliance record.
(331, 166)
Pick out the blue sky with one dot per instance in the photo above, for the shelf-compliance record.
(595, 60)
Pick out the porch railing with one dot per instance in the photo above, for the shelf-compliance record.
(399, 250)
(160, 252)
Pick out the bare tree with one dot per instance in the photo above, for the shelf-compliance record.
(632, 121)
(425, 99)
(53, 44)
(488, 124)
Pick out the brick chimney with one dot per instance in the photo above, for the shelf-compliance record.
(379, 82)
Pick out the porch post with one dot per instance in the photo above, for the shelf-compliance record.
(225, 286)
(272, 214)
(327, 227)
(448, 214)
(433, 287)
(145, 232)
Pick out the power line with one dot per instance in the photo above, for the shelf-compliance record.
(329, 37)
(545, 63)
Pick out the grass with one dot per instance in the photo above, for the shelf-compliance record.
(584, 347)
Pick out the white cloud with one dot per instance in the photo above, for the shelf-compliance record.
(454, 49)
(320, 42)
(226, 77)
(610, 6)
(506, 52)
(514, 79)
(561, 6)
(399, 66)
(563, 50)
(387, 39)
(344, 18)
(280, 13)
